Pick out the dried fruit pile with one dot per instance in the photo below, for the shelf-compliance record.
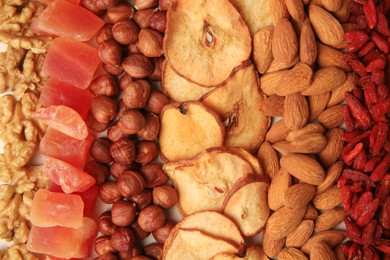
(365, 181)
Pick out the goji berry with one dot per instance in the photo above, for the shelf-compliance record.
(382, 25)
(358, 66)
(346, 198)
(355, 40)
(369, 253)
(381, 169)
(383, 91)
(378, 137)
(381, 43)
(348, 119)
(370, 93)
(385, 248)
(358, 111)
(370, 56)
(355, 252)
(349, 136)
(355, 8)
(378, 77)
(368, 233)
(370, 13)
(358, 93)
(358, 176)
(378, 112)
(384, 217)
(358, 207)
(360, 161)
(378, 64)
(362, 2)
(352, 231)
(372, 163)
(361, 22)
(382, 190)
(367, 213)
(366, 49)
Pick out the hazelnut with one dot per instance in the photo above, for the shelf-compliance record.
(123, 213)
(115, 70)
(140, 234)
(104, 85)
(103, 245)
(115, 133)
(117, 169)
(100, 150)
(143, 17)
(105, 225)
(125, 80)
(119, 12)
(104, 4)
(158, 21)
(136, 94)
(133, 48)
(142, 199)
(123, 239)
(146, 151)
(103, 109)
(104, 33)
(151, 128)
(130, 183)
(157, 69)
(109, 193)
(165, 196)
(153, 174)
(157, 101)
(97, 170)
(137, 249)
(95, 125)
(155, 251)
(123, 151)
(110, 52)
(91, 6)
(163, 5)
(151, 218)
(161, 234)
(150, 43)
(144, 4)
(137, 65)
(125, 32)
(131, 121)
(108, 256)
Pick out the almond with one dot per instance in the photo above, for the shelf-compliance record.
(334, 148)
(295, 80)
(306, 130)
(283, 221)
(311, 143)
(307, 45)
(304, 168)
(283, 147)
(277, 65)
(278, 10)
(329, 199)
(332, 116)
(329, 219)
(278, 187)
(301, 234)
(329, 237)
(330, 5)
(332, 174)
(272, 246)
(317, 104)
(277, 132)
(290, 253)
(328, 56)
(311, 213)
(296, 9)
(327, 28)
(337, 94)
(324, 80)
(262, 50)
(273, 106)
(299, 195)
(269, 81)
(284, 42)
(268, 159)
(322, 251)
(296, 111)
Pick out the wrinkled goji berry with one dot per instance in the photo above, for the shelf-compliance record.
(381, 43)
(349, 136)
(348, 119)
(378, 111)
(358, 176)
(348, 157)
(383, 91)
(382, 190)
(346, 198)
(358, 111)
(369, 253)
(370, 13)
(378, 137)
(366, 49)
(355, 40)
(377, 64)
(355, 8)
(372, 163)
(384, 247)
(367, 213)
(361, 22)
(370, 56)
(384, 217)
(358, 66)
(355, 252)
(378, 77)
(382, 25)
(352, 231)
(360, 161)
(370, 93)
(381, 169)
(368, 233)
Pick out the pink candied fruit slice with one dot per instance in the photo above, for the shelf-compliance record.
(65, 148)
(63, 119)
(71, 61)
(70, 178)
(49, 209)
(66, 19)
(63, 242)
(56, 92)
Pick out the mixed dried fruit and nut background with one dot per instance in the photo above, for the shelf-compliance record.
(264, 122)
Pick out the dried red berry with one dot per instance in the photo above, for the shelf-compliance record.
(370, 13)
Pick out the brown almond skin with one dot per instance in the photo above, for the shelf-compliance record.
(272, 247)
(299, 195)
(329, 219)
(304, 168)
(329, 199)
(329, 237)
(284, 42)
(283, 221)
(322, 251)
(301, 234)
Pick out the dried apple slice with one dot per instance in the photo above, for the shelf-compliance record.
(205, 40)
(193, 244)
(187, 129)
(203, 182)
(178, 88)
(239, 105)
(256, 13)
(247, 203)
(254, 162)
(253, 252)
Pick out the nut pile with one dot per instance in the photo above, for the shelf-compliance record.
(365, 180)
(129, 46)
